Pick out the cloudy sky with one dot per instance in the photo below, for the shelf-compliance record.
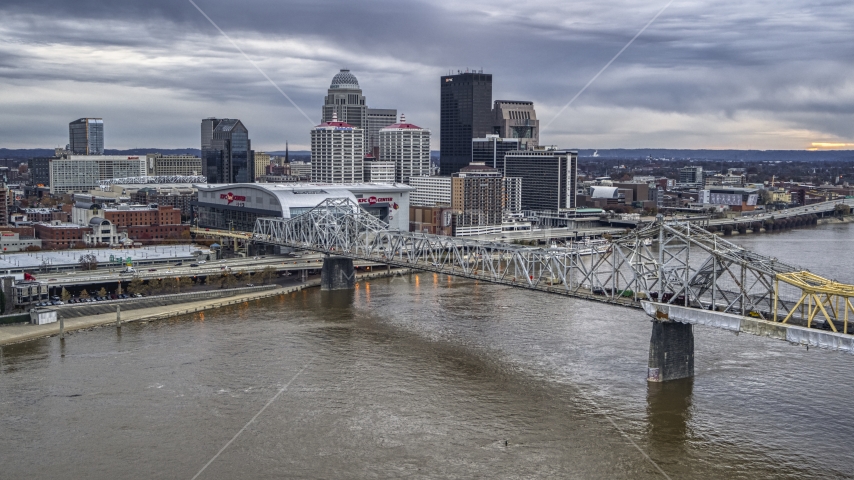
(724, 74)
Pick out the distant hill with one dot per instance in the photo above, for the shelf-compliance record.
(722, 155)
(627, 153)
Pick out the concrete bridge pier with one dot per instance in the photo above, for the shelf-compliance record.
(337, 274)
(671, 351)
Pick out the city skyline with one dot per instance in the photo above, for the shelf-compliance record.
(720, 75)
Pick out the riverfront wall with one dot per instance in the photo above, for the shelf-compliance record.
(73, 311)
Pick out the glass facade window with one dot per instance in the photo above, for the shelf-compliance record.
(466, 113)
(86, 136)
(226, 151)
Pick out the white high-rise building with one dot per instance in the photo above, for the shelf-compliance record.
(337, 152)
(377, 171)
(81, 173)
(430, 191)
(408, 146)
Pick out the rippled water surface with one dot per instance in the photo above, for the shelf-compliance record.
(429, 376)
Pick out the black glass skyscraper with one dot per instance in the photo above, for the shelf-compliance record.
(466, 114)
(86, 136)
(226, 151)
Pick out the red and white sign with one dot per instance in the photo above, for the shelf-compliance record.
(232, 197)
(373, 200)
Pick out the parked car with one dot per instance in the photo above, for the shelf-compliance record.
(202, 261)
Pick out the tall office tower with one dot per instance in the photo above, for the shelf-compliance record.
(466, 113)
(337, 154)
(549, 177)
(86, 136)
(378, 118)
(262, 160)
(39, 168)
(691, 175)
(517, 119)
(491, 150)
(210, 157)
(408, 146)
(226, 151)
(345, 100)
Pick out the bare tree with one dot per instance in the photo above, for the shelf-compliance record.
(88, 261)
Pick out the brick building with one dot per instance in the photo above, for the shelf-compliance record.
(59, 235)
(44, 215)
(180, 198)
(143, 223)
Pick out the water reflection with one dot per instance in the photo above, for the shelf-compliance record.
(669, 414)
(337, 300)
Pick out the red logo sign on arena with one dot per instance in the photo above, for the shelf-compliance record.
(373, 200)
(232, 197)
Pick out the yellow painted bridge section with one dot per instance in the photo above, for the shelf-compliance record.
(829, 298)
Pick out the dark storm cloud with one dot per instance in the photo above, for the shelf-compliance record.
(782, 65)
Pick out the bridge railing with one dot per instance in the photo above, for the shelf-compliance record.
(669, 262)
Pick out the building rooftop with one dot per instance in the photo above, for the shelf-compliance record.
(402, 125)
(35, 260)
(58, 224)
(334, 124)
(344, 80)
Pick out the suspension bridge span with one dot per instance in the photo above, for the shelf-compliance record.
(677, 272)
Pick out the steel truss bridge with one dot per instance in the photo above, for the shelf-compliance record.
(674, 270)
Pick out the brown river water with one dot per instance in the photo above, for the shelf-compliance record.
(428, 376)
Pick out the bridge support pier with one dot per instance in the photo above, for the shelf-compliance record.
(671, 351)
(337, 274)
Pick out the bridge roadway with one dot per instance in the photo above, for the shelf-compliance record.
(678, 272)
(280, 263)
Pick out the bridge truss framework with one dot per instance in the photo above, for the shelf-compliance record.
(673, 263)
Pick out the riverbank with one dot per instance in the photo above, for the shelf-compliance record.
(18, 333)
